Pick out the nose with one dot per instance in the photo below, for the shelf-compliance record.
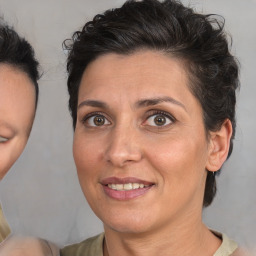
(124, 146)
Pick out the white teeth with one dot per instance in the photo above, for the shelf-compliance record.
(127, 186)
(119, 187)
(135, 185)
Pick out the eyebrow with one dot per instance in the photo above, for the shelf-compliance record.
(155, 101)
(138, 104)
(92, 103)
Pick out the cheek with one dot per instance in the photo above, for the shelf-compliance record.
(9, 153)
(179, 160)
(88, 168)
(85, 157)
(5, 162)
(180, 171)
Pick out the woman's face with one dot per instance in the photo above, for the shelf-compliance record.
(140, 145)
(17, 108)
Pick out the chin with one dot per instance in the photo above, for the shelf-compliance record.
(127, 229)
(128, 224)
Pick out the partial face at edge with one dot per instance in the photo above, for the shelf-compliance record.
(138, 123)
(17, 109)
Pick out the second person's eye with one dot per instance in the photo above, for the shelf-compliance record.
(3, 139)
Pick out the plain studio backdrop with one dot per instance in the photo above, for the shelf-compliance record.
(41, 195)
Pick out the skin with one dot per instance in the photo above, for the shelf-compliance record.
(27, 246)
(17, 110)
(118, 136)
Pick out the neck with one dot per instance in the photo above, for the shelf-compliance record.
(188, 239)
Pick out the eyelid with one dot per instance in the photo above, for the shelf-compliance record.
(3, 139)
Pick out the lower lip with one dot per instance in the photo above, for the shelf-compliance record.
(126, 194)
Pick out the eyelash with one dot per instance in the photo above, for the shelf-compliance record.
(3, 139)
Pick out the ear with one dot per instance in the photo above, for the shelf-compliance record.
(219, 146)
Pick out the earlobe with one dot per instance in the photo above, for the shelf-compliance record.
(219, 146)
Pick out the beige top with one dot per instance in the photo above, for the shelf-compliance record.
(227, 247)
(4, 228)
(94, 246)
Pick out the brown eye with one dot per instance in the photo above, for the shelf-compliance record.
(99, 120)
(96, 120)
(160, 120)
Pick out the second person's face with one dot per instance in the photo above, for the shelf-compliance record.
(140, 145)
(17, 109)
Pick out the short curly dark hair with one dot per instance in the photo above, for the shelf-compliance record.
(176, 30)
(17, 52)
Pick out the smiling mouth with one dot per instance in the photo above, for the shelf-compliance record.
(127, 186)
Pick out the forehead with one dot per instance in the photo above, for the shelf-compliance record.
(142, 70)
(17, 98)
(11, 76)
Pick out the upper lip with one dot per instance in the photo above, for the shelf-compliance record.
(116, 180)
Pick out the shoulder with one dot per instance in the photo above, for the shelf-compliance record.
(29, 246)
(90, 246)
(227, 247)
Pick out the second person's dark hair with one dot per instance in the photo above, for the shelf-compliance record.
(17, 52)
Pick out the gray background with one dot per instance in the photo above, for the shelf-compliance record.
(41, 196)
